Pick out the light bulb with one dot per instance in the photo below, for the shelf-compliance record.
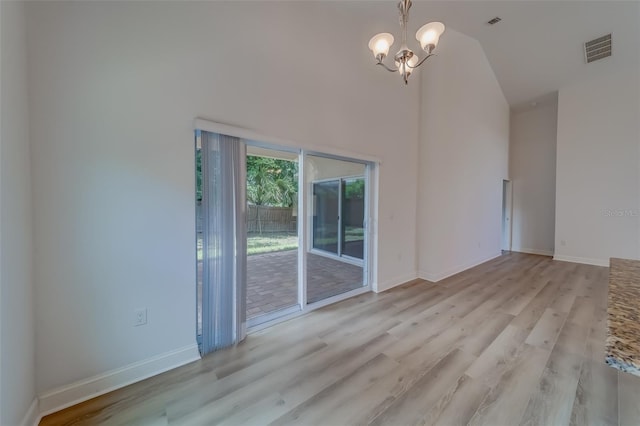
(411, 65)
(380, 44)
(428, 35)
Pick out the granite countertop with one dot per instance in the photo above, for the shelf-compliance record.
(623, 316)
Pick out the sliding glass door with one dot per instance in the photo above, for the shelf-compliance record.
(278, 232)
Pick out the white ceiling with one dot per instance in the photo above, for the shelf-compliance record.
(538, 46)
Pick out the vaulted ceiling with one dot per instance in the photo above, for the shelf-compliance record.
(538, 46)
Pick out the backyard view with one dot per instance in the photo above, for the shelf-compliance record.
(272, 233)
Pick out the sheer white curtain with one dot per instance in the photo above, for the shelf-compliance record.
(224, 241)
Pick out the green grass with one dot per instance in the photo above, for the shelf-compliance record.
(267, 243)
(353, 234)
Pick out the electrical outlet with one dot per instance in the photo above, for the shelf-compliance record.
(140, 317)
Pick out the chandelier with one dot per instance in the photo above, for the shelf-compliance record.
(405, 60)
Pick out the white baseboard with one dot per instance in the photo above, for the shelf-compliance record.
(533, 251)
(32, 416)
(585, 260)
(74, 393)
(435, 277)
(394, 282)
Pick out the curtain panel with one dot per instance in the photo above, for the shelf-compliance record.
(224, 249)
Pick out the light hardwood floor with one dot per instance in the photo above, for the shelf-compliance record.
(518, 340)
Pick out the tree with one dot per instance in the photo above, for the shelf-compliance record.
(271, 182)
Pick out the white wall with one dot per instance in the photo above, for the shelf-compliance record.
(532, 169)
(17, 362)
(464, 138)
(598, 192)
(115, 87)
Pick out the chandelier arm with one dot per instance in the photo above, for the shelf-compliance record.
(421, 62)
(386, 67)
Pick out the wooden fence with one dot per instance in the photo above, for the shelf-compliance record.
(270, 219)
(263, 219)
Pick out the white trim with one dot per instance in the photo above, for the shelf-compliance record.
(371, 246)
(212, 126)
(302, 231)
(272, 316)
(339, 178)
(435, 277)
(32, 417)
(533, 251)
(83, 390)
(585, 260)
(507, 214)
(338, 298)
(394, 282)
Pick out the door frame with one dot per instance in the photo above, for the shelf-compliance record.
(341, 256)
(506, 225)
(372, 179)
(305, 226)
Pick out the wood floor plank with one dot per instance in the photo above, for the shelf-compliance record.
(628, 399)
(313, 409)
(519, 339)
(208, 392)
(547, 329)
(507, 400)
(553, 400)
(499, 357)
(529, 316)
(294, 387)
(460, 404)
(596, 396)
(414, 406)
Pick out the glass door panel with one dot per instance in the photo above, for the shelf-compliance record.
(326, 216)
(272, 233)
(352, 237)
(335, 255)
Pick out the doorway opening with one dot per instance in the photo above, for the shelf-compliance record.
(272, 233)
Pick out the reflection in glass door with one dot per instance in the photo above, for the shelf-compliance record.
(338, 217)
(326, 216)
(335, 261)
(352, 230)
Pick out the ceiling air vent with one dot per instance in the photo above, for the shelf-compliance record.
(494, 20)
(597, 49)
